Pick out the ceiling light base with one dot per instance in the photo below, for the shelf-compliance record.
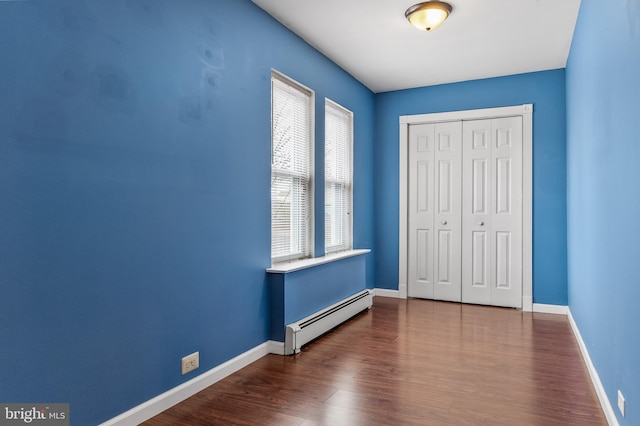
(428, 15)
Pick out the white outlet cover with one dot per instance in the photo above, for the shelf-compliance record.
(621, 402)
(190, 362)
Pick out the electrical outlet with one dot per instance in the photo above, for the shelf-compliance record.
(621, 402)
(190, 362)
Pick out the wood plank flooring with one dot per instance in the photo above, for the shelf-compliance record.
(412, 362)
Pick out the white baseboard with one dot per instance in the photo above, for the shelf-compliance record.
(595, 378)
(383, 292)
(527, 304)
(276, 348)
(162, 402)
(550, 309)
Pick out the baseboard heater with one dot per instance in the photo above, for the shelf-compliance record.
(302, 332)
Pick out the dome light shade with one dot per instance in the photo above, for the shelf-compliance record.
(428, 15)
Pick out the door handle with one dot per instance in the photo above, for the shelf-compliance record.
(444, 222)
(481, 223)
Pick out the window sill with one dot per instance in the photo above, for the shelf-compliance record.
(296, 265)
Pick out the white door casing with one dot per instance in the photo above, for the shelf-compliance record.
(507, 277)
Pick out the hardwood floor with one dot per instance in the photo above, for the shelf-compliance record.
(412, 362)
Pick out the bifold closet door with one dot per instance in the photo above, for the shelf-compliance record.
(435, 187)
(492, 212)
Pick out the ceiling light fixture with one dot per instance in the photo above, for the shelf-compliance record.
(428, 15)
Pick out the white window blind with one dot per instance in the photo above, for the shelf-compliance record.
(338, 177)
(291, 169)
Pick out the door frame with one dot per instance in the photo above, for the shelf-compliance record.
(526, 112)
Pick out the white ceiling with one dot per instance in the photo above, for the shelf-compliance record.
(373, 41)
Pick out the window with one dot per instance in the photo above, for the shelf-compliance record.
(338, 176)
(291, 169)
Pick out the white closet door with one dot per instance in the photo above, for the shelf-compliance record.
(435, 211)
(492, 212)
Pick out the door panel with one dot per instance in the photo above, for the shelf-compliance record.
(422, 266)
(447, 219)
(422, 188)
(503, 260)
(477, 197)
(445, 190)
(506, 224)
(503, 185)
(479, 186)
(495, 145)
(434, 211)
(421, 215)
(444, 257)
(479, 259)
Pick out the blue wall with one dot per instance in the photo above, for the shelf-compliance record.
(603, 172)
(134, 188)
(546, 90)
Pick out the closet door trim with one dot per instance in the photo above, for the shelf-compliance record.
(526, 112)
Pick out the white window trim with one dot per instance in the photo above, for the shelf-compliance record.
(275, 74)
